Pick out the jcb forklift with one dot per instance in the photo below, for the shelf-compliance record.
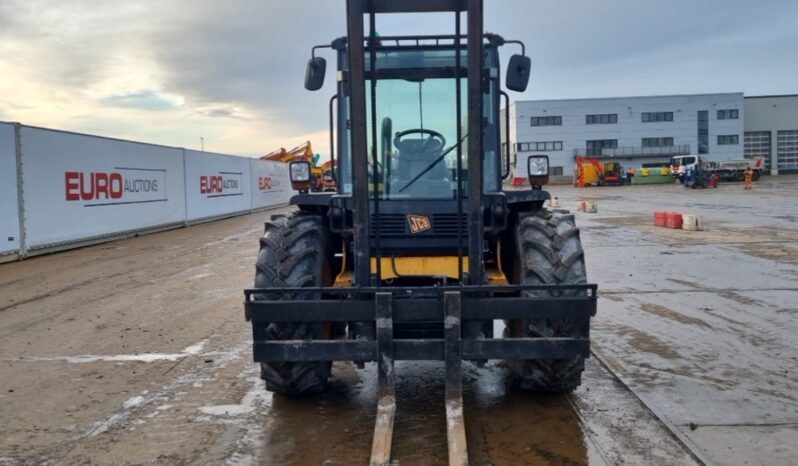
(420, 250)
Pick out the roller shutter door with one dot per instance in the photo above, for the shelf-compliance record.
(757, 144)
(787, 150)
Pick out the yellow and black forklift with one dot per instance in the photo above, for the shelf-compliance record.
(419, 250)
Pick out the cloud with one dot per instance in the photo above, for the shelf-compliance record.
(144, 99)
(252, 56)
(232, 72)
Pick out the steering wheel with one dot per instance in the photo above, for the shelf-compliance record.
(433, 143)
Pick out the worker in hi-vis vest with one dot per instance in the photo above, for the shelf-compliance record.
(749, 178)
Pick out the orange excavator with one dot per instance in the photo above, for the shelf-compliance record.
(591, 172)
(328, 170)
(303, 151)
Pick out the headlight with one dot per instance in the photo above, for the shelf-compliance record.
(300, 171)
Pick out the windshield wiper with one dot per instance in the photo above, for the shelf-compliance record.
(434, 162)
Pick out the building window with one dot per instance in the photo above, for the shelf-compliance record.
(601, 119)
(729, 139)
(546, 121)
(657, 142)
(732, 114)
(594, 147)
(650, 117)
(555, 171)
(539, 146)
(703, 132)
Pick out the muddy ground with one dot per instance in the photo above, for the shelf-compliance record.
(136, 352)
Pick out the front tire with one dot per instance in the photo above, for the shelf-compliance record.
(550, 252)
(293, 254)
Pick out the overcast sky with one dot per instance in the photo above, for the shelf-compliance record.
(172, 71)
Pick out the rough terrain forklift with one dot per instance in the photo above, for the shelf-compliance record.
(420, 250)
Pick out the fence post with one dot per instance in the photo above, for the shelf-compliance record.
(23, 247)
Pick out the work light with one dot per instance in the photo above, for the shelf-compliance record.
(299, 172)
(538, 167)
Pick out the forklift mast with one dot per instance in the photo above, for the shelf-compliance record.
(358, 49)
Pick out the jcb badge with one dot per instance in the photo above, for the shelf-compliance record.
(418, 223)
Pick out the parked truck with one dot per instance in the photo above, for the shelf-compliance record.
(734, 170)
(727, 170)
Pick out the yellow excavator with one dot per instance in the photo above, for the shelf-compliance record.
(304, 152)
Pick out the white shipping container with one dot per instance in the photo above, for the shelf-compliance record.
(216, 185)
(9, 202)
(270, 183)
(79, 187)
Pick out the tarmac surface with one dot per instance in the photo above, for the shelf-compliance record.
(136, 352)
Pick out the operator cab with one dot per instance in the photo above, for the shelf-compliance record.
(417, 123)
(415, 92)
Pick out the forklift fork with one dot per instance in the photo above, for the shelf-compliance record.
(386, 404)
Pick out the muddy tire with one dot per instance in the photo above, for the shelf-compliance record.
(293, 253)
(550, 252)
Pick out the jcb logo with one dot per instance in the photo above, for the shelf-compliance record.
(418, 223)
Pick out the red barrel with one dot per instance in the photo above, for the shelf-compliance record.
(659, 219)
(673, 220)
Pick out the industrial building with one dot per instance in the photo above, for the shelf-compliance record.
(637, 131)
(771, 131)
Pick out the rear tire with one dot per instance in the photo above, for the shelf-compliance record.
(293, 254)
(550, 252)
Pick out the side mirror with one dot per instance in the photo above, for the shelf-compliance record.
(314, 74)
(518, 71)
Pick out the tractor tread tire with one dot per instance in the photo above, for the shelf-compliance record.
(292, 254)
(550, 253)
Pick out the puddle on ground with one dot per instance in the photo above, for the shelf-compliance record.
(504, 424)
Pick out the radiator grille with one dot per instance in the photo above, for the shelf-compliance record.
(390, 224)
(446, 224)
(442, 224)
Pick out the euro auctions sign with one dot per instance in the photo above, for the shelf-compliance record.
(269, 183)
(221, 184)
(120, 186)
(265, 183)
(216, 184)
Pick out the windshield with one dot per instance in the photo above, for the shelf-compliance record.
(417, 137)
(414, 110)
(681, 161)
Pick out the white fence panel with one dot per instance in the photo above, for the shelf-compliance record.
(9, 202)
(270, 183)
(216, 185)
(78, 187)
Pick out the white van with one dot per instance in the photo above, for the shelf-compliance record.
(681, 163)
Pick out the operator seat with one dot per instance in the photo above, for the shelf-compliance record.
(413, 157)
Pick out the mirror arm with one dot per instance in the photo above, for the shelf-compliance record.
(523, 47)
(313, 50)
